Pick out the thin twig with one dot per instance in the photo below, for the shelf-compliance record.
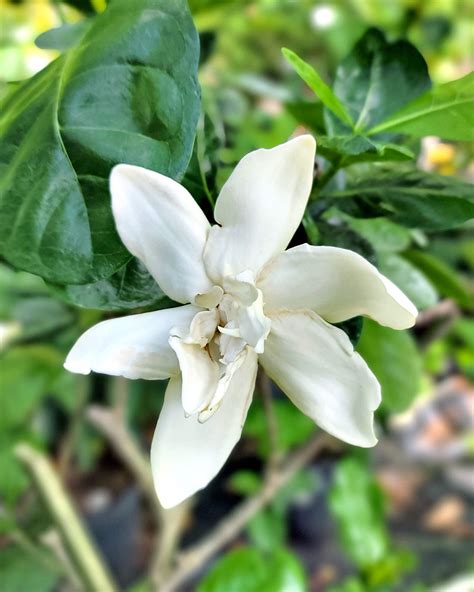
(83, 553)
(168, 538)
(109, 423)
(191, 560)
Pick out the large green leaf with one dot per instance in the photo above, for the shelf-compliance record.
(126, 93)
(415, 198)
(376, 79)
(130, 287)
(357, 505)
(394, 359)
(446, 111)
(347, 150)
(247, 569)
(318, 86)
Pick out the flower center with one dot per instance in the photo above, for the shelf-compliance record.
(234, 319)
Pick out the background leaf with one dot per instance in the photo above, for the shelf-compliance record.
(409, 279)
(446, 111)
(317, 85)
(394, 359)
(248, 569)
(413, 197)
(376, 79)
(357, 505)
(64, 129)
(347, 150)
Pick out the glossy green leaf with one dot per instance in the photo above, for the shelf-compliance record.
(446, 111)
(247, 569)
(445, 279)
(409, 279)
(357, 505)
(127, 93)
(413, 197)
(318, 86)
(347, 150)
(376, 79)
(130, 287)
(394, 359)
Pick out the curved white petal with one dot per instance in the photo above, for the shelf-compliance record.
(186, 454)
(200, 374)
(260, 207)
(135, 346)
(335, 283)
(160, 223)
(315, 365)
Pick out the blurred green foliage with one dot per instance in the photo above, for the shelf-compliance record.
(370, 79)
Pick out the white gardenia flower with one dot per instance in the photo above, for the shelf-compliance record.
(245, 300)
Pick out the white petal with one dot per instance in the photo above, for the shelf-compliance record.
(200, 374)
(135, 346)
(160, 223)
(260, 207)
(186, 454)
(335, 283)
(315, 365)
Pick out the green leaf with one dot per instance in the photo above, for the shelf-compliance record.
(413, 197)
(130, 287)
(357, 505)
(13, 479)
(409, 279)
(347, 150)
(27, 374)
(341, 235)
(293, 426)
(201, 174)
(40, 316)
(376, 79)
(20, 572)
(446, 111)
(63, 37)
(384, 235)
(448, 283)
(317, 85)
(247, 569)
(126, 93)
(267, 530)
(245, 482)
(309, 114)
(394, 359)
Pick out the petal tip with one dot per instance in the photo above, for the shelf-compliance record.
(76, 368)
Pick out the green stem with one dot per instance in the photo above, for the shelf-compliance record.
(82, 551)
